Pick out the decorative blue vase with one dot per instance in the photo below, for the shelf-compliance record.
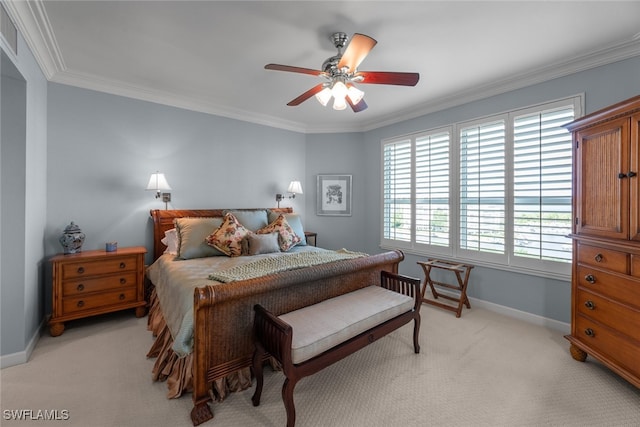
(72, 239)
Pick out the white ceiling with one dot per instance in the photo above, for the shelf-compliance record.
(209, 55)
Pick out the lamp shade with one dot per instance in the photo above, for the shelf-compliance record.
(295, 187)
(158, 182)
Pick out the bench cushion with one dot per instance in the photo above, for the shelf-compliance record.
(319, 327)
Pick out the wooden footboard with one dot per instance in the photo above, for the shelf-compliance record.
(222, 346)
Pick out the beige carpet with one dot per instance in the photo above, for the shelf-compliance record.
(483, 369)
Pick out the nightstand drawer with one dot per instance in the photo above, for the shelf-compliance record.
(89, 268)
(603, 258)
(105, 283)
(617, 316)
(77, 304)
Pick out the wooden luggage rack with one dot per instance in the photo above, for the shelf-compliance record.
(461, 271)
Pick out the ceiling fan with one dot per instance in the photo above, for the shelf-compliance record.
(341, 72)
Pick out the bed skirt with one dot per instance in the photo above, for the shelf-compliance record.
(178, 371)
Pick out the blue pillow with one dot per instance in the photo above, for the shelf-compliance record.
(251, 220)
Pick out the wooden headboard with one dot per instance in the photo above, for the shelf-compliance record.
(163, 221)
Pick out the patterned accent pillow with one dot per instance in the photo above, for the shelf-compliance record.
(287, 238)
(228, 237)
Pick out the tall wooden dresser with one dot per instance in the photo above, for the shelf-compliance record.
(605, 286)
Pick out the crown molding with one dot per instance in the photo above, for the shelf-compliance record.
(33, 24)
(608, 55)
(113, 87)
(31, 20)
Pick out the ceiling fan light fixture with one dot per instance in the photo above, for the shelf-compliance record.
(324, 96)
(339, 104)
(339, 90)
(355, 94)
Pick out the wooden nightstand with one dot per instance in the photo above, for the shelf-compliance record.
(96, 282)
(308, 234)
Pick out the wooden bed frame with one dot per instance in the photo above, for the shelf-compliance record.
(222, 347)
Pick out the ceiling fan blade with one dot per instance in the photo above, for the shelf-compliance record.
(389, 78)
(291, 69)
(358, 49)
(361, 105)
(308, 94)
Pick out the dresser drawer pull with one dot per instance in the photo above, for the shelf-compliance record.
(80, 303)
(590, 278)
(598, 258)
(123, 265)
(80, 287)
(121, 297)
(123, 280)
(80, 270)
(589, 332)
(590, 305)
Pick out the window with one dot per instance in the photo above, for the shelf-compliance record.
(495, 191)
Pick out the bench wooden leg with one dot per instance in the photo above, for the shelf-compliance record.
(416, 333)
(287, 397)
(257, 371)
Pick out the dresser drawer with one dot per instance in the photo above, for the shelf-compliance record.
(615, 347)
(605, 259)
(617, 316)
(619, 287)
(77, 304)
(88, 285)
(72, 270)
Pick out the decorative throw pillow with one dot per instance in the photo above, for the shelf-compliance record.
(228, 237)
(170, 240)
(192, 233)
(295, 221)
(256, 244)
(287, 238)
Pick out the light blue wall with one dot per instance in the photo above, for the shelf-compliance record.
(337, 154)
(102, 149)
(23, 202)
(549, 298)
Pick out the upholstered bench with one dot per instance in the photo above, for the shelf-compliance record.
(307, 340)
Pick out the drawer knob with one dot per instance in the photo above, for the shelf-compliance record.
(590, 305)
(80, 287)
(598, 258)
(121, 297)
(590, 278)
(589, 332)
(123, 280)
(123, 265)
(80, 303)
(80, 270)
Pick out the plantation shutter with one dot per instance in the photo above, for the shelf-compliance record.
(432, 189)
(482, 187)
(396, 188)
(542, 185)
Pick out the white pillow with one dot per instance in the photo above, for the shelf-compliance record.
(170, 239)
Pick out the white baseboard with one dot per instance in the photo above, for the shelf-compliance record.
(21, 356)
(545, 322)
(556, 325)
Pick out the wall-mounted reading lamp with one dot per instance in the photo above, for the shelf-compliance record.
(158, 183)
(294, 188)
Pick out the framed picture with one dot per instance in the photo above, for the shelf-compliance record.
(334, 195)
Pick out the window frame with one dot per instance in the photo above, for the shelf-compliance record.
(509, 260)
